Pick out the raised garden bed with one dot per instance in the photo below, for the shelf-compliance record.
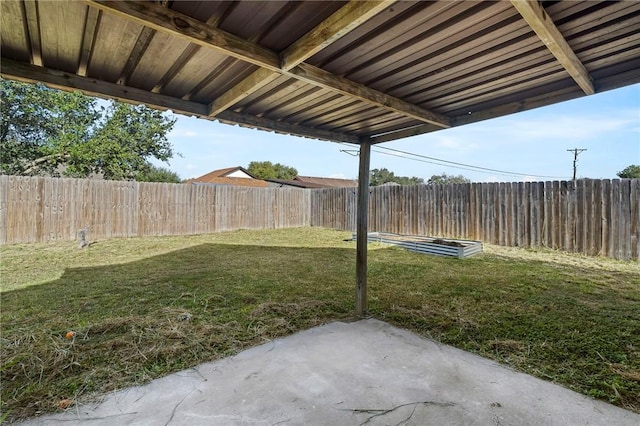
(428, 245)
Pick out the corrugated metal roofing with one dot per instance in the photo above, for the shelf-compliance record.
(343, 71)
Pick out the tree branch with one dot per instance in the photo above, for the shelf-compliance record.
(31, 167)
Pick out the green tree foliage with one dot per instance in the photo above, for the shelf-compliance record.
(268, 170)
(443, 179)
(49, 132)
(631, 172)
(151, 173)
(382, 176)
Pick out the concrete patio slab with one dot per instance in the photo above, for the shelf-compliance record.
(362, 373)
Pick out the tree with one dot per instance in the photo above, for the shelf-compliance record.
(443, 179)
(49, 132)
(268, 170)
(381, 176)
(631, 172)
(152, 173)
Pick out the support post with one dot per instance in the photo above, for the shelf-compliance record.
(362, 228)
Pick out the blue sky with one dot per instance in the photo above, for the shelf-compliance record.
(534, 143)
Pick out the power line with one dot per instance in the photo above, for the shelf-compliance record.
(452, 164)
(439, 164)
(468, 166)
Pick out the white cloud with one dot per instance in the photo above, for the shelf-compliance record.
(454, 144)
(566, 127)
(184, 133)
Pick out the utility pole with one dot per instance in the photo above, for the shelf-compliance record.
(575, 151)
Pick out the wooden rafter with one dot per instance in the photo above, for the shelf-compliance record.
(405, 133)
(91, 24)
(325, 79)
(254, 82)
(331, 29)
(66, 81)
(182, 60)
(33, 25)
(177, 65)
(541, 23)
(192, 30)
(284, 127)
(143, 41)
(343, 21)
(223, 67)
(69, 82)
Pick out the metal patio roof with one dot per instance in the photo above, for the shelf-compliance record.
(342, 71)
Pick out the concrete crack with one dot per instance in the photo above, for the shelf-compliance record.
(173, 412)
(196, 369)
(404, 422)
(382, 412)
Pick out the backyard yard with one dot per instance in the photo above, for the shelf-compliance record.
(80, 322)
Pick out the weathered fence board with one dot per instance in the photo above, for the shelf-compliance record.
(36, 209)
(595, 217)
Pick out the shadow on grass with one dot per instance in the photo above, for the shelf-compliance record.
(137, 321)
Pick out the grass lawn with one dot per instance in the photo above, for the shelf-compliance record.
(124, 311)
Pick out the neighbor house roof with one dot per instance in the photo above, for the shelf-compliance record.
(229, 171)
(357, 71)
(315, 182)
(221, 177)
(233, 181)
(324, 182)
(294, 183)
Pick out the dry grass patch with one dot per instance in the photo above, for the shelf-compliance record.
(78, 323)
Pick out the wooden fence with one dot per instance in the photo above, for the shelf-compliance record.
(595, 217)
(36, 209)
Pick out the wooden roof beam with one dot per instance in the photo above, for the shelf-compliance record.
(179, 25)
(541, 23)
(20, 71)
(183, 59)
(182, 26)
(325, 79)
(143, 41)
(69, 82)
(340, 23)
(254, 82)
(284, 127)
(404, 133)
(343, 21)
(91, 23)
(32, 16)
